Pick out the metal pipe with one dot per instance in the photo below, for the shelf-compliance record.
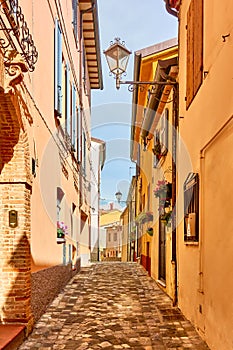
(175, 118)
(170, 10)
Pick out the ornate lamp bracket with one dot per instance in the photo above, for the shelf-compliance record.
(15, 67)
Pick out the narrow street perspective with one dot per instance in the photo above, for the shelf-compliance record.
(116, 162)
(113, 306)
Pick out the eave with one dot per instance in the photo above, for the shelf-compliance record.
(90, 32)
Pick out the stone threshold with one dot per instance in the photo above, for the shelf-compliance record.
(11, 336)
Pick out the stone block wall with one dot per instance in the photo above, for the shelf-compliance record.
(47, 284)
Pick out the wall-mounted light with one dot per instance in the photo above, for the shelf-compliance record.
(117, 56)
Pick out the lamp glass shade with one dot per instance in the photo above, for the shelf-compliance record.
(117, 57)
(118, 196)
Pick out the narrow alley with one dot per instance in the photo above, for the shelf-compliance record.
(113, 306)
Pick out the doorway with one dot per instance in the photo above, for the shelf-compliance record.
(162, 250)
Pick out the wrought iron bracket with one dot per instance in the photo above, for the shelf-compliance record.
(16, 37)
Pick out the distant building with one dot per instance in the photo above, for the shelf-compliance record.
(110, 235)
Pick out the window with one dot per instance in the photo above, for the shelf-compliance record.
(115, 236)
(75, 17)
(109, 237)
(191, 208)
(58, 69)
(194, 49)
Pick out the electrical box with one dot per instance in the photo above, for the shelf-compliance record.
(191, 224)
(13, 218)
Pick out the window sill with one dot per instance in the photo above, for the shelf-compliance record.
(161, 283)
(191, 243)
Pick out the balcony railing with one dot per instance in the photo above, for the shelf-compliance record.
(15, 33)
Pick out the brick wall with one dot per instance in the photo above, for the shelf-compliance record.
(15, 194)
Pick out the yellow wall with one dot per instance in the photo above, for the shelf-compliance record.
(150, 175)
(205, 269)
(125, 227)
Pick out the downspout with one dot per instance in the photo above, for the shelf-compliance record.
(170, 10)
(175, 118)
(81, 43)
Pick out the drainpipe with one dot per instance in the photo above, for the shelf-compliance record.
(175, 119)
(81, 43)
(170, 10)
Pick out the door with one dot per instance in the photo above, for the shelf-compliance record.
(148, 259)
(162, 250)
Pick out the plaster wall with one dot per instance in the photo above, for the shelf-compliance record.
(206, 129)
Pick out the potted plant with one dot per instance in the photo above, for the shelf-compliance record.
(61, 232)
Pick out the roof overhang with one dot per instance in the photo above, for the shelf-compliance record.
(163, 72)
(90, 29)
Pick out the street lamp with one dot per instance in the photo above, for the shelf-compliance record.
(117, 56)
(118, 195)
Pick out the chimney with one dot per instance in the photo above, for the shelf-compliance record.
(111, 206)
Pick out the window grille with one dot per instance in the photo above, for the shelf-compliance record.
(191, 208)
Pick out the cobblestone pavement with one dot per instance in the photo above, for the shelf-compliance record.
(113, 306)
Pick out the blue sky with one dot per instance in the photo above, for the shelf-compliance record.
(139, 24)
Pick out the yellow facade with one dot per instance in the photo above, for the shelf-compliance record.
(125, 226)
(153, 167)
(205, 265)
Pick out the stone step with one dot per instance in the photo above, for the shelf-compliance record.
(11, 336)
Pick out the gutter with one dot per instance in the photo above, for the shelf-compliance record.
(161, 75)
(136, 76)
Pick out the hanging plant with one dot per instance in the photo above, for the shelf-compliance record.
(163, 190)
(150, 231)
(144, 217)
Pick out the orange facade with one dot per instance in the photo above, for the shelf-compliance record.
(45, 86)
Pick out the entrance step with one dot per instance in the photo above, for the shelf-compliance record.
(11, 336)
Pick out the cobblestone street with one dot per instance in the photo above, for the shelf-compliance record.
(113, 306)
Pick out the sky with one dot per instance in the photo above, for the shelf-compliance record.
(139, 24)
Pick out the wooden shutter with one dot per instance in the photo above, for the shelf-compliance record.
(74, 119)
(164, 132)
(198, 45)
(194, 56)
(75, 16)
(68, 98)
